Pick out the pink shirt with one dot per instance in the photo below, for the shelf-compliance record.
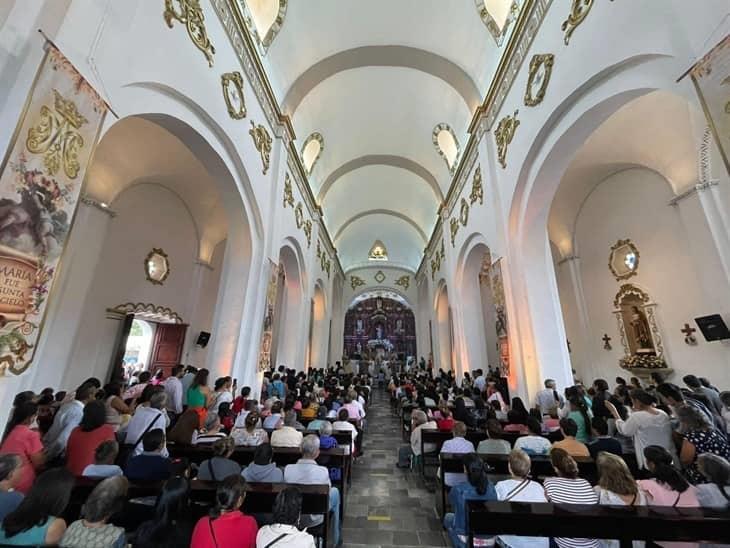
(24, 442)
(352, 410)
(659, 494)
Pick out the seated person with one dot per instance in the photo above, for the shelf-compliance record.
(151, 465)
(226, 526)
(494, 445)
(10, 465)
(251, 434)
(262, 469)
(36, 520)
(272, 421)
(314, 425)
(477, 487)
(342, 423)
(287, 435)
(534, 443)
(86, 437)
(569, 444)
(446, 422)
(185, 431)
(220, 465)
(107, 499)
(169, 526)
(104, 458)
(212, 431)
(602, 441)
(457, 444)
(306, 471)
(667, 487)
(326, 440)
(716, 492)
(284, 531)
(309, 408)
(520, 488)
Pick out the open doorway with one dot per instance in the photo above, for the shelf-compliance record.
(139, 346)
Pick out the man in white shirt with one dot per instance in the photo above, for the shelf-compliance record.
(342, 423)
(480, 382)
(186, 381)
(147, 418)
(67, 418)
(174, 390)
(287, 435)
(549, 398)
(306, 471)
(534, 443)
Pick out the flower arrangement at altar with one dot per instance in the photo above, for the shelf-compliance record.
(384, 343)
(648, 361)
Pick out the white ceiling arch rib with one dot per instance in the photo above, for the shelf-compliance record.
(389, 212)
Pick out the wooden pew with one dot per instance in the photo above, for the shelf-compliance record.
(260, 500)
(438, 438)
(623, 523)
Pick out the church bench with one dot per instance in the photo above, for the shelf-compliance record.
(343, 437)
(259, 501)
(655, 523)
(436, 437)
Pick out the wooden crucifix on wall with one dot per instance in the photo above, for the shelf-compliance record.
(689, 337)
(606, 342)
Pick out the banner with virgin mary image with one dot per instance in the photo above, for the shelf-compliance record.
(40, 184)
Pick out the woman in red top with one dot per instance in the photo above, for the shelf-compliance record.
(446, 422)
(227, 525)
(25, 443)
(87, 436)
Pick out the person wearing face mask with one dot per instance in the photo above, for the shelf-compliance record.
(25, 442)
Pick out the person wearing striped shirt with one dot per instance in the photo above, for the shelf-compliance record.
(568, 488)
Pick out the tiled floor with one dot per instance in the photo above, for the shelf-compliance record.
(388, 506)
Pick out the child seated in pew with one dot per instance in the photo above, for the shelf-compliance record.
(220, 465)
(150, 465)
(262, 469)
(104, 458)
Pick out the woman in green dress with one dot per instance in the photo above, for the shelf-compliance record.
(200, 395)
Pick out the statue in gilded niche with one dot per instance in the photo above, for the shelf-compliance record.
(640, 328)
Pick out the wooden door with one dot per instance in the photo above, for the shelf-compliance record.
(167, 347)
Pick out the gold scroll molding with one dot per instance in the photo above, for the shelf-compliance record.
(288, 194)
(190, 14)
(504, 134)
(232, 83)
(404, 282)
(541, 68)
(262, 141)
(477, 191)
(356, 281)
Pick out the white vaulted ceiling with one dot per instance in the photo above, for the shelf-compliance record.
(375, 78)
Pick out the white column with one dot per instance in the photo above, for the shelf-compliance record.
(201, 272)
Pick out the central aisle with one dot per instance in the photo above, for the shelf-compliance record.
(388, 506)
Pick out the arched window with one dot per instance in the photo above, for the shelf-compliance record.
(264, 19)
(446, 145)
(497, 15)
(312, 150)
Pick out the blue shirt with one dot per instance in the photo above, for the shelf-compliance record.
(148, 466)
(458, 496)
(277, 389)
(9, 501)
(35, 536)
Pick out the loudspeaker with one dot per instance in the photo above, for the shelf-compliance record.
(713, 327)
(203, 339)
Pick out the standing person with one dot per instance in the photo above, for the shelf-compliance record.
(226, 526)
(135, 391)
(37, 519)
(186, 382)
(199, 395)
(174, 390)
(581, 415)
(117, 412)
(24, 442)
(239, 404)
(94, 529)
(284, 531)
(695, 385)
(602, 395)
(9, 475)
(647, 425)
(146, 418)
(221, 393)
(698, 437)
(568, 488)
(67, 418)
(602, 441)
(548, 398)
(520, 488)
(86, 437)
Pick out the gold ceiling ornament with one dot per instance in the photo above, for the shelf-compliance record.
(288, 194)
(232, 83)
(326, 266)
(477, 191)
(464, 212)
(356, 281)
(435, 265)
(378, 252)
(262, 142)
(404, 282)
(316, 136)
(498, 33)
(56, 138)
(454, 226)
(307, 228)
(443, 249)
(504, 134)
(264, 41)
(156, 266)
(579, 10)
(191, 15)
(379, 277)
(541, 68)
(299, 215)
(623, 260)
(319, 250)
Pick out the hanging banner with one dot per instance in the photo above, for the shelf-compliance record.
(267, 331)
(711, 78)
(500, 308)
(40, 183)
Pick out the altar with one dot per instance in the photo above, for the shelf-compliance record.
(379, 348)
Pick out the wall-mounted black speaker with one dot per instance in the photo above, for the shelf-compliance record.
(203, 339)
(713, 327)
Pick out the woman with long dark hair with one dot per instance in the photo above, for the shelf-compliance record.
(170, 526)
(117, 412)
(667, 487)
(37, 521)
(477, 487)
(582, 416)
(91, 432)
(200, 396)
(25, 442)
(226, 525)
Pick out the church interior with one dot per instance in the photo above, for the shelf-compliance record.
(475, 227)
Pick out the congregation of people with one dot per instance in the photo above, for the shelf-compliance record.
(656, 444)
(125, 434)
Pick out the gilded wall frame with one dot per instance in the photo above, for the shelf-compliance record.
(544, 62)
(232, 82)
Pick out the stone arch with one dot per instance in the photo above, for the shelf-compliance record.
(319, 327)
(291, 311)
(444, 358)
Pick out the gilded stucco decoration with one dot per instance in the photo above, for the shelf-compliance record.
(379, 277)
(288, 194)
(451, 165)
(190, 14)
(147, 310)
(307, 228)
(541, 68)
(442, 252)
(579, 10)
(477, 191)
(464, 212)
(454, 228)
(262, 141)
(156, 266)
(435, 265)
(316, 136)
(404, 282)
(378, 252)
(264, 41)
(232, 83)
(299, 215)
(623, 260)
(498, 33)
(356, 281)
(56, 137)
(504, 134)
